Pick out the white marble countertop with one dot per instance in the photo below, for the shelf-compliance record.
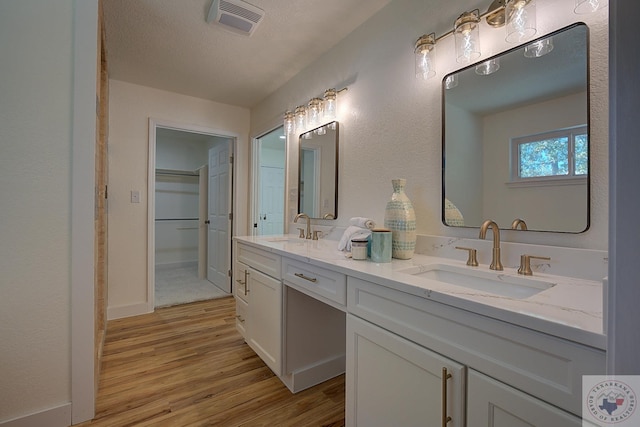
(571, 309)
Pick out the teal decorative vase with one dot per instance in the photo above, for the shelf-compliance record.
(400, 218)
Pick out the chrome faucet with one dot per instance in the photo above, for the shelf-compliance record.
(495, 260)
(304, 215)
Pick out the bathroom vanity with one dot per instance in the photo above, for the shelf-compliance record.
(426, 341)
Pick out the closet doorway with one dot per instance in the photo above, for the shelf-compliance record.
(190, 221)
(269, 160)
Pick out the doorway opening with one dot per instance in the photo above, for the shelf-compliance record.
(190, 221)
(269, 160)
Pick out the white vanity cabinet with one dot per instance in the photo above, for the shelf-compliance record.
(258, 293)
(515, 374)
(394, 382)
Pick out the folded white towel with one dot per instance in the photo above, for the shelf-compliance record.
(362, 222)
(350, 233)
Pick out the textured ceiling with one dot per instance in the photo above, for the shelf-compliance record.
(167, 44)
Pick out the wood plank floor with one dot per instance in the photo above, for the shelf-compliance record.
(188, 366)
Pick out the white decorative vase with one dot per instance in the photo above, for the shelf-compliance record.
(400, 218)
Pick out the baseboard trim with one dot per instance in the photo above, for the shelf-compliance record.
(119, 312)
(59, 416)
(310, 376)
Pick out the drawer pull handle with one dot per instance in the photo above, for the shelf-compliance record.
(302, 276)
(246, 282)
(240, 318)
(445, 376)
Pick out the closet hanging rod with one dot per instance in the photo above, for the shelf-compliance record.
(177, 219)
(177, 172)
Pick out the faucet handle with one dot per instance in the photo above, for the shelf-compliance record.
(472, 259)
(301, 235)
(317, 234)
(525, 264)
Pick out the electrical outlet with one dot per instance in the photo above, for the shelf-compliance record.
(135, 196)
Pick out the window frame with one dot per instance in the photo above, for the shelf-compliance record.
(515, 180)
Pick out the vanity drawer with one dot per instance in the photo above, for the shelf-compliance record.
(264, 261)
(542, 365)
(314, 280)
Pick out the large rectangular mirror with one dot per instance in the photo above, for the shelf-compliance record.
(516, 137)
(318, 172)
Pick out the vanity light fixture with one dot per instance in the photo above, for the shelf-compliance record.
(301, 117)
(330, 104)
(488, 67)
(425, 52)
(314, 112)
(588, 6)
(520, 16)
(319, 111)
(467, 36)
(289, 122)
(539, 48)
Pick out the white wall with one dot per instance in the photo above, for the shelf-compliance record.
(36, 65)
(390, 122)
(130, 107)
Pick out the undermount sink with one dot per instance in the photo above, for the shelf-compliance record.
(496, 283)
(281, 239)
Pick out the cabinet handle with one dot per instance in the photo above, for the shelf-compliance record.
(240, 318)
(246, 282)
(302, 276)
(445, 376)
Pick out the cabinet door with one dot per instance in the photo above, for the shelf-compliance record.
(394, 382)
(264, 327)
(495, 404)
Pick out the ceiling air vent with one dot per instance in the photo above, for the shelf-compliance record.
(236, 15)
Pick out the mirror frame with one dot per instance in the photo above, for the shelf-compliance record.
(588, 126)
(336, 167)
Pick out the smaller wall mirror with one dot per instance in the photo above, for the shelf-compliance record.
(318, 172)
(515, 137)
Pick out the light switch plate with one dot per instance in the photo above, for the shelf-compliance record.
(135, 196)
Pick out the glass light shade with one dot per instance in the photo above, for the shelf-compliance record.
(539, 48)
(467, 36)
(426, 56)
(289, 123)
(321, 130)
(330, 104)
(451, 81)
(521, 20)
(301, 118)
(589, 6)
(314, 112)
(307, 135)
(488, 67)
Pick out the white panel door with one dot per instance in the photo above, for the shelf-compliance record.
(394, 382)
(219, 234)
(271, 214)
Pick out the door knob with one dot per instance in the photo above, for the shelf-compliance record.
(207, 222)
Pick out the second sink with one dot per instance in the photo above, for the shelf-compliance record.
(490, 282)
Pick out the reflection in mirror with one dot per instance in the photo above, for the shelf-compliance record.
(515, 142)
(318, 172)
